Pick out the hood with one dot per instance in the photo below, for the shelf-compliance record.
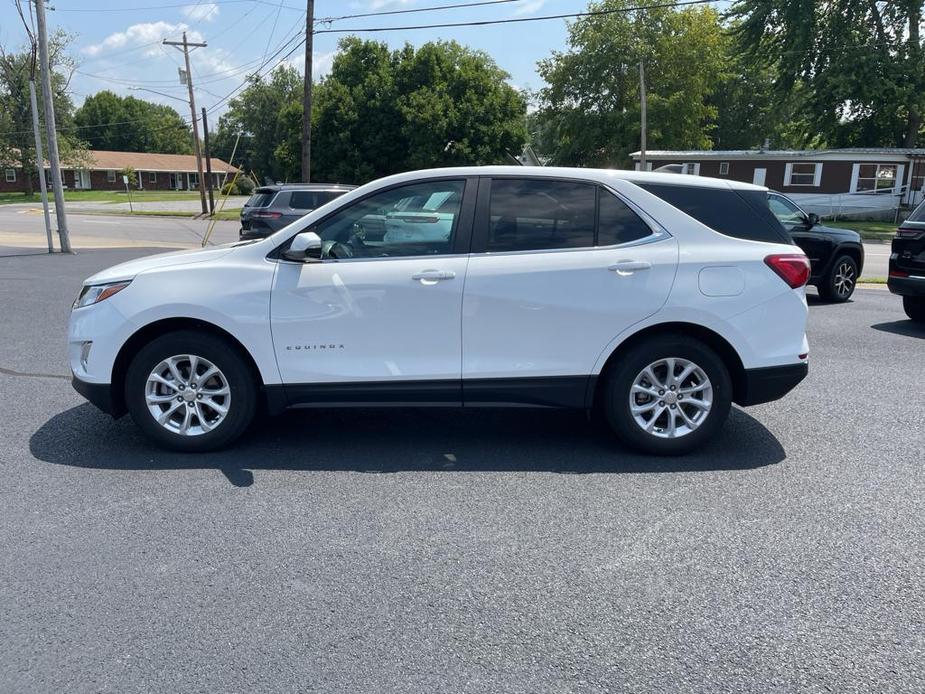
(125, 271)
(843, 234)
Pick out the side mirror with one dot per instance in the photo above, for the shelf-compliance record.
(812, 219)
(305, 248)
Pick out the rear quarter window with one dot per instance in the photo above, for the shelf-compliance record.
(742, 214)
(259, 200)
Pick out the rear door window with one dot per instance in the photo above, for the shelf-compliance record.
(531, 214)
(743, 214)
(311, 199)
(617, 223)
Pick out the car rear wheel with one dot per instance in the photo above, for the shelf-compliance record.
(667, 396)
(839, 284)
(914, 306)
(191, 391)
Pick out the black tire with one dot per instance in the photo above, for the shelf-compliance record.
(839, 283)
(914, 306)
(619, 382)
(241, 381)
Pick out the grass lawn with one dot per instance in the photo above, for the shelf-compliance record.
(104, 196)
(868, 230)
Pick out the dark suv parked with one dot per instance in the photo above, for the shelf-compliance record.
(907, 264)
(271, 208)
(836, 255)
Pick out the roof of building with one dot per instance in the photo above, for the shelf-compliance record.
(792, 153)
(150, 161)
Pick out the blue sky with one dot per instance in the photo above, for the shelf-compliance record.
(121, 49)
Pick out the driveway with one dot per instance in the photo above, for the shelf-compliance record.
(416, 550)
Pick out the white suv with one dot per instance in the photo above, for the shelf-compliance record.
(656, 299)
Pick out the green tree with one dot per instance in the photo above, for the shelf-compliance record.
(267, 114)
(590, 111)
(17, 143)
(126, 124)
(381, 112)
(860, 63)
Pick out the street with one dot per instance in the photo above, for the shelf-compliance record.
(416, 550)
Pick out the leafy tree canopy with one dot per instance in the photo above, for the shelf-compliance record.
(859, 63)
(127, 124)
(590, 109)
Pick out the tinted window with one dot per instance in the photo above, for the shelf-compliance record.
(535, 214)
(617, 223)
(417, 219)
(310, 199)
(743, 214)
(259, 200)
(918, 214)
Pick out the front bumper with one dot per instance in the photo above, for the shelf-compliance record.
(771, 383)
(99, 394)
(907, 286)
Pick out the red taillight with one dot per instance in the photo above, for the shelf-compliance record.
(793, 268)
(909, 233)
(898, 273)
(267, 215)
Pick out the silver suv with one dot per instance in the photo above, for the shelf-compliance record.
(271, 208)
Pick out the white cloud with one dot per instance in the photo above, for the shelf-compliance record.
(321, 62)
(206, 11)
(140, 34)
(529, 7)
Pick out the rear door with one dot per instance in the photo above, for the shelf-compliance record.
(559, 268)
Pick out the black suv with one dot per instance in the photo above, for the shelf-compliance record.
(907, 264)
(271, 208)
(836, 255)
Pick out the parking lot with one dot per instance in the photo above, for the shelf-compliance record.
(415, 550)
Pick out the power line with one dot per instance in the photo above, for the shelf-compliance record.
(515, 20)
(433, 8)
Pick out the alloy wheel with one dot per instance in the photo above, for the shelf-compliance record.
(671, 398)
(845, 279)
(187, 395)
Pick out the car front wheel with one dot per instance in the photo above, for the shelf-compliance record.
(914, 306)
(839, 284)
(190, 391)
(667, 396)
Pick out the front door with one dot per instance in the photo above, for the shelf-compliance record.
(559, 269)
(378, 319)
(758, 178)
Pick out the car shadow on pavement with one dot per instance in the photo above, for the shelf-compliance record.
(906, 328)
(395, 440)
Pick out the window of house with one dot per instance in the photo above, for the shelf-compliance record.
(803, 174)
(876, 176)
(691, 168)
(724, 168)
(528, 214)
(152, 177)
(617, 223)
(193, 180)
(110, 176)
(412, 220)
(11, 175)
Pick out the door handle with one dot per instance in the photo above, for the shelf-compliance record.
(628, 267)
(432, 276)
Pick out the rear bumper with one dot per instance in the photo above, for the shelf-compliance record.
(771, 383)
(907, 286)
(99, 394)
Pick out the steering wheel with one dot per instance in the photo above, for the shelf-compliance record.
(336, 250)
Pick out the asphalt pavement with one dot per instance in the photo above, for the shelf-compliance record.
(416, 550)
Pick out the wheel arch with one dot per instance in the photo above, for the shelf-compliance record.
(854, 251)
(709, 337)
(155, 329)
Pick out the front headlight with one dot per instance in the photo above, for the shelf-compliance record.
(95, 293)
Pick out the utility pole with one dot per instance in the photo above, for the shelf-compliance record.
(51, 128)
(307, 93)
(642, 115)
(39, 157)
(208, 153)
(192, 107)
